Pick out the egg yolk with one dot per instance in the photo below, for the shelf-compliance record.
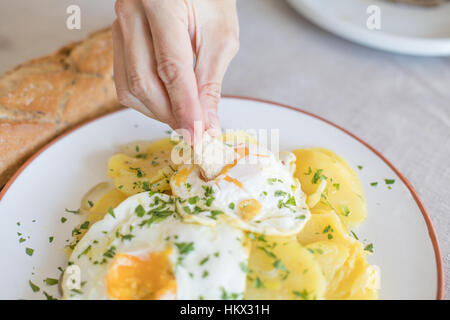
(249, 208)
(232, 180)
(148, 277)
(182, 175)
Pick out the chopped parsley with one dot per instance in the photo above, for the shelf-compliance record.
(318, 176)
(155, 163)
(85, 251)
(34, 287)
(301, 294)
(204, 260)
(110, 253)
(278, 264)
(126, 237)
(258, 284)
(231, 206)
(309, 172)
(269, 253)
(209, 201)
(185, 247)
(244, 267)
(140, 211)
(85, 225)
(111, 212)
(280, 193)
(29, 251)
(215, 213)
(193, 200)
(51, 281)
(374, 184)
(229, 296)
(273, 180)
(139, 172)
(208, 191)
(389, 181)
(345, 210)
(49, 297)
(73, 211)
(369, 247)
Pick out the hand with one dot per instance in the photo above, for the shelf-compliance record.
(154, 46)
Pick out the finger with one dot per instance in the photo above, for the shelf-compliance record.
(174, 59)
(217, 45)
(124, 95)
(139, 60)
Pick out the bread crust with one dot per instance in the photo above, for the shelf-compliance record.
(44, 97)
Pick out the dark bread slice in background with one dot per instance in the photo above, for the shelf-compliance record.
(44, 97)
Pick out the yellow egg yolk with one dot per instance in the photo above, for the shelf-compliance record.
(249, 208)
(232, 180)
(147, 277)
(182, 175)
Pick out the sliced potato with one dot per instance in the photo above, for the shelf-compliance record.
(110, 199)
(343, 192)
(324, 226)
(331, 256)
(149, 170)
(356, 279)
(282, 269)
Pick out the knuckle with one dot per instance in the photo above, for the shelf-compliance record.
(124, 97)
(231, 43)
(211, 90)
(168, 71)
(121, 6)
(138, 85)
(179, 110)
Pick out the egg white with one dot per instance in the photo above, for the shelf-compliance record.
(223, 245)
(261, 176)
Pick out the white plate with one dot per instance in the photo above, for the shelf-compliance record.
(405, 245)
(404, 29)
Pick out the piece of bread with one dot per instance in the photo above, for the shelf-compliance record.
(42, 98)
(212, 155)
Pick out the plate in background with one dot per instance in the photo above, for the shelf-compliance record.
(34, 200)
(404, 29)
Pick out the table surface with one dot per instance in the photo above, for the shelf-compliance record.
(398, 104)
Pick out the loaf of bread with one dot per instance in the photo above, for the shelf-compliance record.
(42, 98)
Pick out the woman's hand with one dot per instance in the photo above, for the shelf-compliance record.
(154, 46)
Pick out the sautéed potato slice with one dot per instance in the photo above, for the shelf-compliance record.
(343, 192)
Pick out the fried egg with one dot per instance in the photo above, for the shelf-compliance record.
(257, 193)
(144, 250)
